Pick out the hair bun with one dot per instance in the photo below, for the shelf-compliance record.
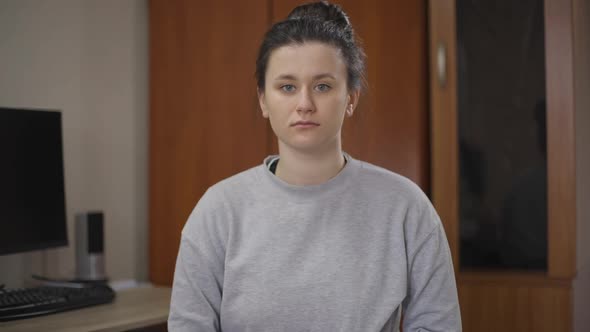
(315, 22)
(322, 11)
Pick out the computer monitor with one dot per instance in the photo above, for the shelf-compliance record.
(32, 194)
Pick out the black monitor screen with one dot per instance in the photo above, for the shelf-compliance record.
(32, 196)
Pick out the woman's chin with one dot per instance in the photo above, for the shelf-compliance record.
(307, 144)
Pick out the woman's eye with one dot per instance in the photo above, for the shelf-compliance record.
(288, 88)
(323, 87)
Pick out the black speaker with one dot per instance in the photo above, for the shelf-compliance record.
(90, 264)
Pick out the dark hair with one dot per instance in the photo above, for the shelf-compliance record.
(317, 21)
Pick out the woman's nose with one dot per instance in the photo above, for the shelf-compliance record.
(305, 104)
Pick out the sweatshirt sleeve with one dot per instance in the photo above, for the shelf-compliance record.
(431, 304)
(198, 276)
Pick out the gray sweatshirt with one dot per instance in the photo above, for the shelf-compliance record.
(351, 254)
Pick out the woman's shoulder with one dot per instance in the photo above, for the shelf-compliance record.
(222, 200)
(386, 182)
(236, 185)
(420, 217)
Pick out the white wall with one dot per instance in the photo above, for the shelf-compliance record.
(89, 59)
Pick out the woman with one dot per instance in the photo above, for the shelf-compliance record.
(313, 239)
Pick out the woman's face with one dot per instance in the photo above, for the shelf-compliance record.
(306, 96)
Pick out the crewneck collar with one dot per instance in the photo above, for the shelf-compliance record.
(277, 187)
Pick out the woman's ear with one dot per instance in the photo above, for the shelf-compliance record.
(262, 103)
(353, 99)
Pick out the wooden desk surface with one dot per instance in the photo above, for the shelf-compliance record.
(132, 309)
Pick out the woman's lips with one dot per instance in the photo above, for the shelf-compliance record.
(305, 124)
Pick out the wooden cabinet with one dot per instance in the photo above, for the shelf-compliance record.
(205, 125)
(204, 119)
(512, 299)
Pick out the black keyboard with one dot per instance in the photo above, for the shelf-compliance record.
(18, 303)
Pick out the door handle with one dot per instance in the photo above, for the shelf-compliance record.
(441, 64)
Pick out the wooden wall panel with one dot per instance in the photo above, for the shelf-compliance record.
(561, 144)
(391, 125)
(204, 118)
(205, 124)
(491, 306)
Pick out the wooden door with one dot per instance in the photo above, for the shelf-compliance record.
(494, 299)
(205, 124)
(204, 118)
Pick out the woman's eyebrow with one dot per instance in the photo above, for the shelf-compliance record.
(316, 77)
(322, 76)
(285, 77)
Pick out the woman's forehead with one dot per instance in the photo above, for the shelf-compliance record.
(310, 59)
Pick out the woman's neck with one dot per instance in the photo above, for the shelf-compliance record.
(304, 168)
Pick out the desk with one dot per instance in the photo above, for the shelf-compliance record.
(132, 309)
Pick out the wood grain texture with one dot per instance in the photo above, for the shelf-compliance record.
(512, 307)
(581, 286)
(444, 127)
(204, 119)
(511, 278)
(390, 127)
(561, 158)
